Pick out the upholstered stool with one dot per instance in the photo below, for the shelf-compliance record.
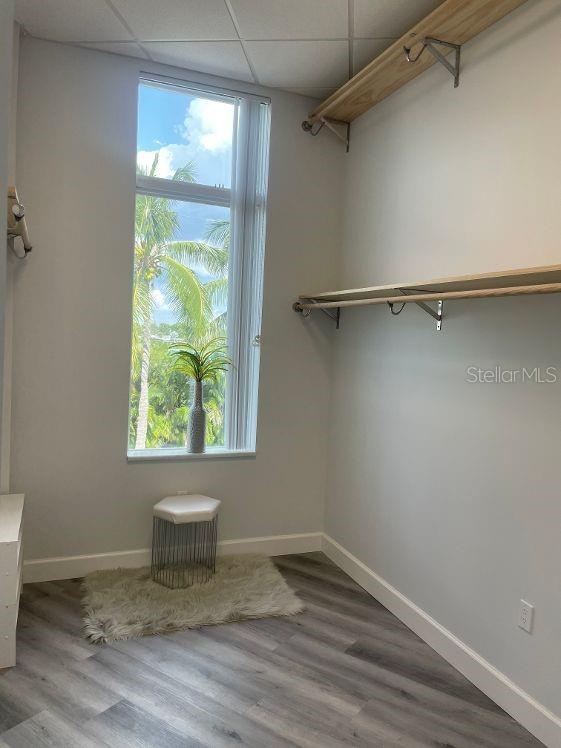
(184, 540)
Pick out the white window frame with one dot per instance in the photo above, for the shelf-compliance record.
(247, 201)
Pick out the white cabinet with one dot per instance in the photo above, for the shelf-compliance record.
(11, 563)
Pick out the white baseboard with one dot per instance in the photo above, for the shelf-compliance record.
(274, 545)
(542, 723)
(69, 567)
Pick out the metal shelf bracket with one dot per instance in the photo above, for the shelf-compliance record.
(429, 43)
(341, 130)
(436, 315)
(335, 316)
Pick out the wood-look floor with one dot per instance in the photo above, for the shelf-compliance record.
(345, 672)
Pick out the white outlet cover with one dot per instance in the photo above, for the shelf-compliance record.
(526, 616)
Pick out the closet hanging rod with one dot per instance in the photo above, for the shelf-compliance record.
(478, 293)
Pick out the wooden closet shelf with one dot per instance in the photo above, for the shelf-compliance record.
(535, 280)
(516, 282)
(455, 21)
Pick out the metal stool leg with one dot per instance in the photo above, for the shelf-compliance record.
(185, 554)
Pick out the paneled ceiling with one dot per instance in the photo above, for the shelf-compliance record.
(306, 46)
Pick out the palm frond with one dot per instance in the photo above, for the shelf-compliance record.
(186, 294)
(155, 222)
(217, 292)
(213, 259)
(186, 173)
(145, 172)
(218, 233)
(217, 327)
(203, 363)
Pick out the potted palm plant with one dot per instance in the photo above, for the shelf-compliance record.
(200, 364)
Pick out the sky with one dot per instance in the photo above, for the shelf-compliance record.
(184, 128)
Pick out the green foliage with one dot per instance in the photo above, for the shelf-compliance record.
(168, 398)
(204, 363)
(219, 233)
(160, 395)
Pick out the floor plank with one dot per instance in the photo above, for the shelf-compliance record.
(346, 672)
(47, 728)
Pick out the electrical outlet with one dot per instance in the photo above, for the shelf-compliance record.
(526, 616)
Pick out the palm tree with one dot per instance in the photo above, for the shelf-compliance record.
(159, 256)
(218, 235)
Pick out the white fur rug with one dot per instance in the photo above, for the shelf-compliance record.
(125, 603)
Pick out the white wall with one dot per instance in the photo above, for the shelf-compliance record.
(12, 134)
(76, 169)
(11, 268)
(6, 61)
(451, 491)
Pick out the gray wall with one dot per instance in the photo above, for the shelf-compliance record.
(76, 168)
(12, 265)
(6, 60)
(451, 490)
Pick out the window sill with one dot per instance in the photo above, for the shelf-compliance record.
(164, 455)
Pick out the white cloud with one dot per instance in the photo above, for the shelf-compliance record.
(171, 157)
(145, 159)
(209, 125)
(159, 300)
(207, 139)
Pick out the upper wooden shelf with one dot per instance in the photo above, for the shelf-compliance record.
(455, 21)
(519, 281)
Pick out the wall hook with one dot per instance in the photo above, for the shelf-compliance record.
(305, 312)
(429, 43)
(17, 226)
(313, 128)
(335, 125)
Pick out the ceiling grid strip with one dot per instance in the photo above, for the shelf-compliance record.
(250, 64)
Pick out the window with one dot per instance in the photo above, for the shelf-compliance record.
(202, 158)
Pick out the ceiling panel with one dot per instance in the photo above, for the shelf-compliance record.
(383, 18)
(129, 49)
(177, 19)
(70, 20)
(298, 45)
(299, 63)
(216, 58)
(291, 19)
(365, 50)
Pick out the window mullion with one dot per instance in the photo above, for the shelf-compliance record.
(188, 191)
(248, 206)
(235, 280)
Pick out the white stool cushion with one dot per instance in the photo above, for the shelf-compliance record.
(187, 508)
